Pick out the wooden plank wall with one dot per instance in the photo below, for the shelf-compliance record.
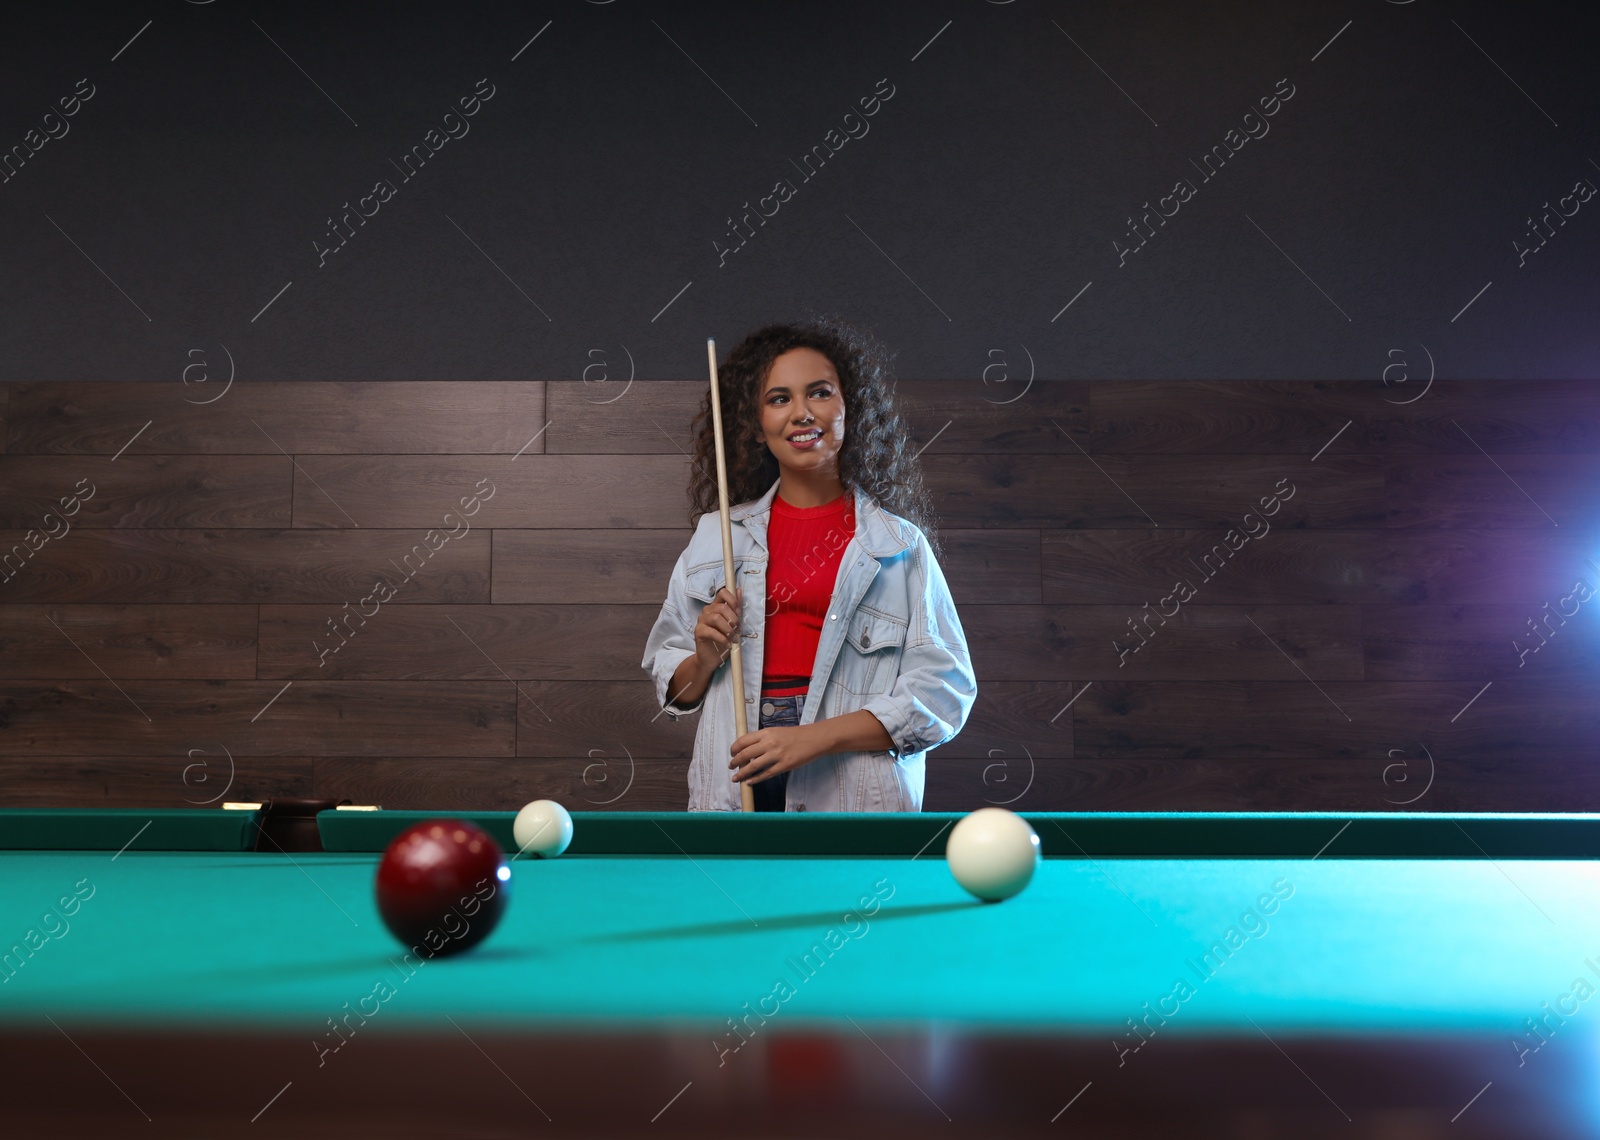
(164, 649)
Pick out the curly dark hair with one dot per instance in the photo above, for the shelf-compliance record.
(878, 454)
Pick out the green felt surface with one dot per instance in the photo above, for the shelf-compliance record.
(1360, 945)
(136, 829)
(1383, 835)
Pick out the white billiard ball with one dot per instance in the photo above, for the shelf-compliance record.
(992, 853)
(543, 828)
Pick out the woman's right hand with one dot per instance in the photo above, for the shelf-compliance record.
(718, 624)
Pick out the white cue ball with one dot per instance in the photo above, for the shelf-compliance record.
(992, 853)
(543, 828)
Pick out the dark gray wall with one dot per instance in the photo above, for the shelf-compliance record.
(1386, 195)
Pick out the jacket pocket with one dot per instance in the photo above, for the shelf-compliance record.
(702, 582)
(874, 642)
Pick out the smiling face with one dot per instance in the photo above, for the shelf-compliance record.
(802, 396)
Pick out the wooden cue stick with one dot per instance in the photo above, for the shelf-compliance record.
(747, 797)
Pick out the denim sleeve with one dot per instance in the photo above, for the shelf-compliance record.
(936, 688)
(671, 640)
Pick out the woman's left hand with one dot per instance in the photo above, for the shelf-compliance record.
(769, 751)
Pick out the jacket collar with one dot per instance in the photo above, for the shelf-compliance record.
(880, 534)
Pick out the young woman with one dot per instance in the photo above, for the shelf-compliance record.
(855, 663)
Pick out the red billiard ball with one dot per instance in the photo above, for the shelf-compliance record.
(442, 886)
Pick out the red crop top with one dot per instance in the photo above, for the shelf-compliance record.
(805, 546)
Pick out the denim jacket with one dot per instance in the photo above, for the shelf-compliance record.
(891, 644)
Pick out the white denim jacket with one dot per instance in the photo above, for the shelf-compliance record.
(891, 644)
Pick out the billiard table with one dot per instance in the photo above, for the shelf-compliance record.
(1166, 974)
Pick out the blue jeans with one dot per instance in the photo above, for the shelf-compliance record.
(776, 712)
